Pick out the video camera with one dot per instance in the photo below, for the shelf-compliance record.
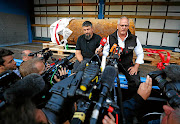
(84, 89)
(45, 53)
(170, 89)
(58, 64)
(48, 76)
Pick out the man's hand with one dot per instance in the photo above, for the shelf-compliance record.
(134, 69)
(98, 50)
(47, 66)
(108, 120)
(62, 72)
(144, 89)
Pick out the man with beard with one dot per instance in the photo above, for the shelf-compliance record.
(86, 44)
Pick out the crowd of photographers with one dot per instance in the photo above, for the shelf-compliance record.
(30, 112)
(30, 93)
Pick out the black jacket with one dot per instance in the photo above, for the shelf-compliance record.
(130, 43)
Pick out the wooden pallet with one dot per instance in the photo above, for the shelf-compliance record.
(61, 52)
(59, 49)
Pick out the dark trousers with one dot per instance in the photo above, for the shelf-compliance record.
(133, 81)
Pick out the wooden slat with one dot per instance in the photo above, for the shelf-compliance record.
(143, 16)
(144, 3)
(40, 25)
(64, 15)
(40, 41)
(67, 4)
(108, 16)
(137, 29)
(157, 30)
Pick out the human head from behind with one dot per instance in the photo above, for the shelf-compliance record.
(27, 114)
(25, 54)
(35, 65)
(7, 60)
(123, 25)
(87, 29)
(170, 115)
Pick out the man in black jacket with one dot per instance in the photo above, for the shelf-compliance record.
(129, 42)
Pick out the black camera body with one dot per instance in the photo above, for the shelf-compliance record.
(82, 88)
(170, 89)
(58, 64)
(45, 53)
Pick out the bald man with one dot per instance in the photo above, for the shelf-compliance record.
(25, 54)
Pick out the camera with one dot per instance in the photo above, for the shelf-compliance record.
(45, 53)
(83, 88)
(170, 89)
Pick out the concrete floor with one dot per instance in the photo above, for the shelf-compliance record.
(34, 47)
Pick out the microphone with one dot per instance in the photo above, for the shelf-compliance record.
(27, 87)
(102, 42)
(173, 72)
(107, 81)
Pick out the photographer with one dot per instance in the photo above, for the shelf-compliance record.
(168, 81)
(36, 65)
(133, 105)
(8, 66)
(7, 61)
(25, 54)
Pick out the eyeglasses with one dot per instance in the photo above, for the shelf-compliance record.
(124, 25)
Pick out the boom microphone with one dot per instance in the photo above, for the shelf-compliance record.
(28, 87)
(173, 72)
(107, 81)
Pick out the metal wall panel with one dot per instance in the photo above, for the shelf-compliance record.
(13, 29)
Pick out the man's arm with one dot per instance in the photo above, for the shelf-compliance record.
(79, 55)
(78, 49)
(140, 55)
(132, 106)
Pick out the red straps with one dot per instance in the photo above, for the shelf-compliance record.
(55, 33)
(161, 65)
